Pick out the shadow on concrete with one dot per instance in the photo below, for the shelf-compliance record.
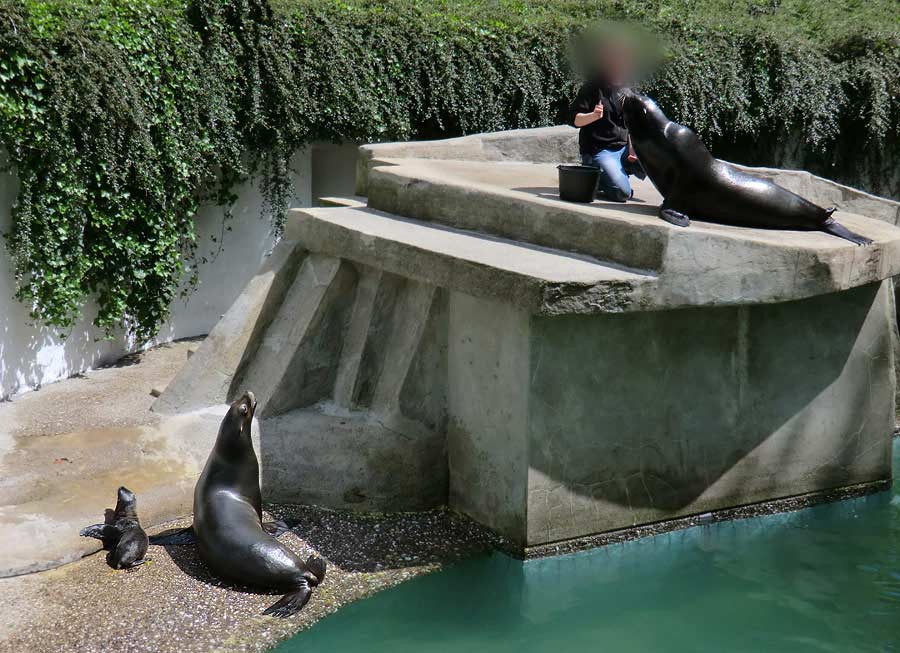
(187, 559)
(705, 389)
(552, 193)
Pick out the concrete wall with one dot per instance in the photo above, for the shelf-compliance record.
(618, 420)
(334, 169)
(31, 356)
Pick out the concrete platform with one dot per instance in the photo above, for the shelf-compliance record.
(70, 445)
(705, 264)
(539, 279)
(557, 370)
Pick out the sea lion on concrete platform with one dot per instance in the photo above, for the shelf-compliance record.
(228, 528)
(696, 185)
(123, 536)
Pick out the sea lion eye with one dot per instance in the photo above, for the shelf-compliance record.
(243, 409)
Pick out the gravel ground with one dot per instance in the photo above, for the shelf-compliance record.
(174, 604)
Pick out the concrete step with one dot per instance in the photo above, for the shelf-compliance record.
(354, 201)
(707, 264)
(542, 280)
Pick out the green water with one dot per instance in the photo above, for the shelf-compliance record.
(823, 579)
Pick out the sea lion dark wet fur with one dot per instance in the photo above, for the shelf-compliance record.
(696, 185)
(123, 536)
(228, 528)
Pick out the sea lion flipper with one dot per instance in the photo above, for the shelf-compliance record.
(276, 528)
(177, 537)
(101, 531)
(136, 564)
(835, 228)
(674, 217)
(291, 603)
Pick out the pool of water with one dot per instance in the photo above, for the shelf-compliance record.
(823, 579)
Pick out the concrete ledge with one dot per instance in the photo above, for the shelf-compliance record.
(541, 280)
(544, 144)
(560, 145)
(707, 265)
(704, 265)
(356, 201)
(776, 506)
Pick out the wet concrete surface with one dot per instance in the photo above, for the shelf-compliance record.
(64, 449)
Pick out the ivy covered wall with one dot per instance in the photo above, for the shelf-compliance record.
(121, 117)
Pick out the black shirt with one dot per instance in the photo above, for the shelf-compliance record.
(608, 133)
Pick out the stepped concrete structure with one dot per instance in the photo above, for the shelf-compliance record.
(458, 335)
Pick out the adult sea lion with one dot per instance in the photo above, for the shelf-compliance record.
(124, 536)
(228, 529)
(696, 185)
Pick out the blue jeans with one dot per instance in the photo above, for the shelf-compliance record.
(613, 182)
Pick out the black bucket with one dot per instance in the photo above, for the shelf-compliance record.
(577, 183)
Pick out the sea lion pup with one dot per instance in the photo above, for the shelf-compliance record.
(228, 529)
(696, 185)
(124, 537)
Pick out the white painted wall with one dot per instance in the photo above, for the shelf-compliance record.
(31, 356)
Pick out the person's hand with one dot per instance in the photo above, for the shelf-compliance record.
(598, 110)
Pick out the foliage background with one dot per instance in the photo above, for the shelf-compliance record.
(121, 116)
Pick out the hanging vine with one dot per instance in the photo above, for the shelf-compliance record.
(121, 117)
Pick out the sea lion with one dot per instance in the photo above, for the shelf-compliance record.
(228, 529)
(123, 536)
(696, 185)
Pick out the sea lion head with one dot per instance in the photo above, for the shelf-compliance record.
(126, 504)
(125, 496)
(240, 415)
(643, 117)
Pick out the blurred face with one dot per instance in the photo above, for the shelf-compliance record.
(616, 62)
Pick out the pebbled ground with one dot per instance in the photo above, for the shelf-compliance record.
(173, 604)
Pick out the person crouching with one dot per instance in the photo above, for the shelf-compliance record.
(597, 112)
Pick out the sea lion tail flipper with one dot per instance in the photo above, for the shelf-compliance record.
(101, 531)
(835, 228)
(674, 217)
(136, 564)
(291, 603)
(276, 528)
(179, 536)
